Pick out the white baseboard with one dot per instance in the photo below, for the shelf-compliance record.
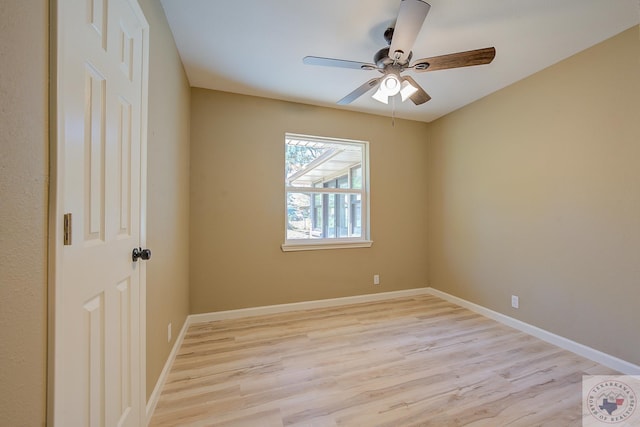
(155, 396)
(562, 342)
(305, 305)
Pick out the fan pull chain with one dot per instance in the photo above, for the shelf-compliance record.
(393, 111)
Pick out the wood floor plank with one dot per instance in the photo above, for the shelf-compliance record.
(415, 361)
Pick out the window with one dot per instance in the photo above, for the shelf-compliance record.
(327, 193)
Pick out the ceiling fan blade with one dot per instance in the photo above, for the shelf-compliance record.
(330, 62)
(420, 97)
(410, 19)
(359, 91)
(455, 60)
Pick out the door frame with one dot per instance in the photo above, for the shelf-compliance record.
(56, 208)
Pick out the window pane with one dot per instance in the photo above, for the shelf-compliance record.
(356, 177)
(330, 231)
(311, 162)
(322, 216)
(316, 212)
(342, 214)
(356, 223)
(299, 220)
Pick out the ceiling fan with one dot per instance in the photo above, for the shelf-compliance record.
(391, 61)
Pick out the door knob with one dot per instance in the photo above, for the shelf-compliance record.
(145, 254)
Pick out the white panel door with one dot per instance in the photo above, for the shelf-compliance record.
(99, 291)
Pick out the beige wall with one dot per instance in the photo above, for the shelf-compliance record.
(168, 192)
(237, 205)
(535, 191)
(23, 211)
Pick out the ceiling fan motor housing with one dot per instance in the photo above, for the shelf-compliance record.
(382, 59)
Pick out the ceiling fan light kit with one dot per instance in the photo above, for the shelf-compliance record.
(391, 61)
(379, 95)
(390, 85)
(407, 90)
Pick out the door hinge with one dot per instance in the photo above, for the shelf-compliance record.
(67, 229)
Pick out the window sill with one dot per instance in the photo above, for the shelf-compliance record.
(291, 247)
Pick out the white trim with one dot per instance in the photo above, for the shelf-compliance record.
(303, 246)
(162, 379)
(305, 305)
(605, 359)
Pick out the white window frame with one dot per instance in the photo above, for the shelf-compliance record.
(364, 241)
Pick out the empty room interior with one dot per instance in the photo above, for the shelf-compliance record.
(477, 258)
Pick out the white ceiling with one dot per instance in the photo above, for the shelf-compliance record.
(255, 47)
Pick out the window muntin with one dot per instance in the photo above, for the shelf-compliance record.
(326, 192)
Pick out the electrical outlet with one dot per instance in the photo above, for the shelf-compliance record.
(515, 301)
(169, 332)
(376, 279)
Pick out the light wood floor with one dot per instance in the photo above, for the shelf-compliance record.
(417, 361)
